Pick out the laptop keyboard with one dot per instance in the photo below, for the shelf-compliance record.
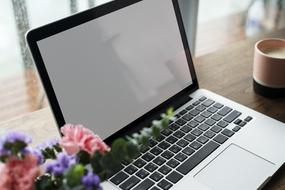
(198, 130)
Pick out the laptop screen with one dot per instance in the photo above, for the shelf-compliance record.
(109, 71)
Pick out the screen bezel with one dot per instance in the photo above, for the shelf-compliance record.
(33, 36)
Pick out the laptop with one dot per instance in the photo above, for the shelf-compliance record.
(116, 67)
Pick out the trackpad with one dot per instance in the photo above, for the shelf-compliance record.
(235, 168)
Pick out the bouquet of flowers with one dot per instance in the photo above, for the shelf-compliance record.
(79, 160)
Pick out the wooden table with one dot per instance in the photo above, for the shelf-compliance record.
(227, 72)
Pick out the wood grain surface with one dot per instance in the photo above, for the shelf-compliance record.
(227, 72)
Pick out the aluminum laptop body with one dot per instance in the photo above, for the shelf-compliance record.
(116, 67)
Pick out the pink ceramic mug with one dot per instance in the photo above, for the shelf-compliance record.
(269, 67)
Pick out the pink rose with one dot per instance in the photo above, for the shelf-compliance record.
(19, 174)
(77, 137)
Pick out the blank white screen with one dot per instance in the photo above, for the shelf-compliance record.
(109, 71)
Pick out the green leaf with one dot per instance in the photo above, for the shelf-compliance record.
(57, 148)
(169, 111)
(74, 174)
(155, 131)
(132, 150)
(118, 149)
(45, 182)
(83, 157)
(96, 162)
(107, 161)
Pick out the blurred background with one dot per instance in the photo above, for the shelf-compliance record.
(210, 25)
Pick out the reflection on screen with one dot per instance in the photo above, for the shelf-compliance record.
(109, 71)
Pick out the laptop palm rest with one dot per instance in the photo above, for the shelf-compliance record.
(235, 168)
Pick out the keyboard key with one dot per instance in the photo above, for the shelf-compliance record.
(130, 169)
(212, 110)
(152, 143)
(174, 177)
(237, 121)
(173, 127)
(199, 119)
(164, 169)
(155, 188)
(192, 124)
(159, 160)
(167, 154)
(171, 139)
(196, 103)
(186, 129)
(160, 138)
(218, 105)
(156, 150)
(227, 133)
(165, 185)
(189, 138)
(200, 108)
(180, 156)
(203, 127)
(243, 123)
(119, 177)
(248, 119)
(206, 114)
(202, 139)
(182, 112)
(220, 138)
(216, 129)
(208, 102)
(196, 132)
(177, 116)
(188, 151)
(236, 129)
(146, 184)
(131, 182)
(150, 167)
(172, 163)
(190, 107)
(139, 163)
(182, 143)
(195, 145)
(126, 162)
(147, 157)
(179, 134)
(174, 148)
(210, 122)
(144, 149)
(187, 117)
(224, 111)
(194, 112)
(142, 173)
(232, 116)
(156, 176)
(222, 124)
(216, 117)
(198, 157)
(202, 98)
(138, 155)
(166, 132)
(180, 122)
(164, 145)
(209, 134)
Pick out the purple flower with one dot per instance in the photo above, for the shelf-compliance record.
(91, 181)
(35, 152)
(4, 152)
(12, 138)
(47, 144)
(61, 164)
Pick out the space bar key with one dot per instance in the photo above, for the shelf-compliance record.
(198, 157)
